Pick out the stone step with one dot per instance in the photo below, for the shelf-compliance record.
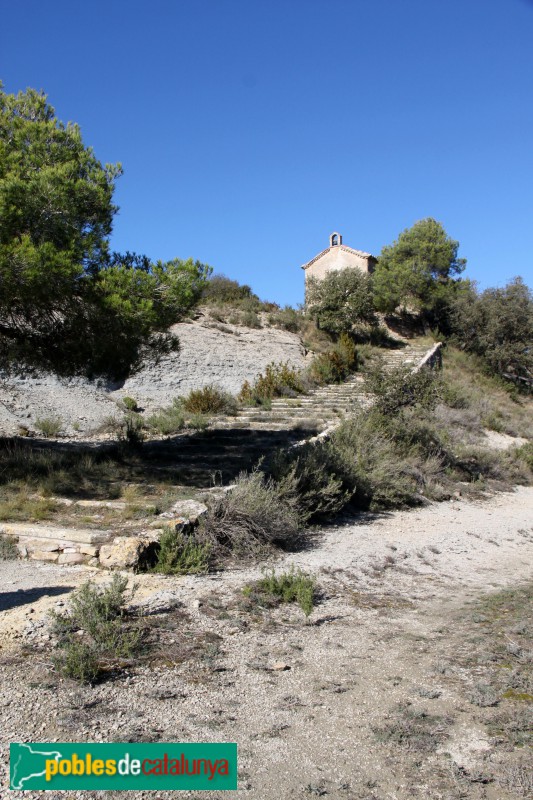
(326, 398)
(327, 404)
(267, 425)
(319, 398)
(77, 535)
(55, 544)
(308, 413)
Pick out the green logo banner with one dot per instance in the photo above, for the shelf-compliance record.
(59, 766)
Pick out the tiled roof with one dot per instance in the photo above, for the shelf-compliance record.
(342, 247)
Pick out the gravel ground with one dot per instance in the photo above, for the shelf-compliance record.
(303, 698)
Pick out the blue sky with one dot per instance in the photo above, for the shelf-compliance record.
(250, 129)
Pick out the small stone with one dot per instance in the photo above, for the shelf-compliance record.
(280, 666)
(160, 603)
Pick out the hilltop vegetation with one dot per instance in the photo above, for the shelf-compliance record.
(71, 305)
(417, 285)
(67, 303)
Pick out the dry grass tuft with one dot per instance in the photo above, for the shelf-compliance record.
(251, 518)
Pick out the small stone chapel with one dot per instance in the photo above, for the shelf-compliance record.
(336, 257)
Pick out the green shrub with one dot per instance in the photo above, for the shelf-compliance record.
(250, 319)
(401, 387)
(360, 465)
(132, 429)
(8, 548)
(315, 476)
(209, 400)
(224, 293)
(287, 319)
(342, 302)
(480, 463)
(130, 404)
(494, 421)
(198, 422)
(454, 396)
(277, 380)
(382, 473)
(497, 325)
(526, 454)
(167, 421)
(79, 661)
(253, 516)
(336, 364)
(217, 314)
(222, 290)
(181, 554)
(293, 586)
(50, 427)
(326, 368)
(94, 636)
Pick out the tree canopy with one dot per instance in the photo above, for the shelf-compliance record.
(65, 302)
(418, 270)
(498, 326)
(342, 301)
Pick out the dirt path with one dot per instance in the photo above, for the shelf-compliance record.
(364, 701)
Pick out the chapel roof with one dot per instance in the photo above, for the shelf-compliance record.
(341, 247)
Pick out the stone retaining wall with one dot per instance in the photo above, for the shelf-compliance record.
(432, 359)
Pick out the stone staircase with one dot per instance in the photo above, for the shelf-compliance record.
(322, 407)
(212, 457)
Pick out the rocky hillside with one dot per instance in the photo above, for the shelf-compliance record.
(225, 355)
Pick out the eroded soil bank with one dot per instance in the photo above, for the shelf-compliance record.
(379, 695)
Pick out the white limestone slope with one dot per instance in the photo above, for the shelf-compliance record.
(225, 355)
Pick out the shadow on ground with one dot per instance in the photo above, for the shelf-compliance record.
(95, 470)
(24, 597)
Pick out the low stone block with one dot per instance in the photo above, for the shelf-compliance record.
(71, 558)
(42, 555)
(88, 550)
(43, 545)
(128, 552)
(70, 535)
